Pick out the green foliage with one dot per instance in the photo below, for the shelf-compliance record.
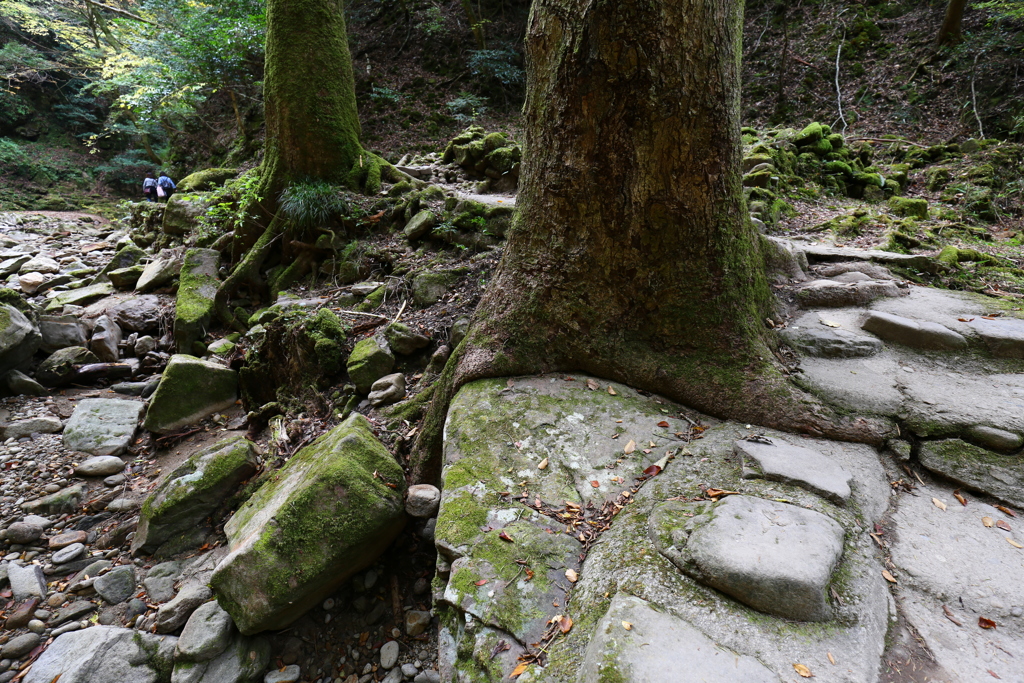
(230, 210)
(498, 68)
(466, 107)
(126, 169)
(384, 95)
(13, 159)
(432, 22)
(311, 204)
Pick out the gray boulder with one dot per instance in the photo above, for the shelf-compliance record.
(59, 367)
(917, 335)
(176, 510)
(831, 294)
(105, 653)
(26, 582)
(117, 585)
(34, 425)
(20, 383)
(81, 296)
(159, 582)
(656, 645)
(387, 390)
(100, 466)
(102, 426)
(182, 212)
(420, 225)
(370, 360)
(780, 461)
(422, 500)
(997, 439)
(172, 615)
(830, 343)
(243, 661)
(158, 273)
(775, 557)
(106, 336)
(197, 287)
(57, 503)
(206, 634)
(429, 288)
(331, 510)
(19, 339)
(24, 532)
(60, 331)
(139, 313)
(1004, 337)
(189, 390)
(403, 340)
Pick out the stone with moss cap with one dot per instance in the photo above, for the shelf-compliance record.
(206, 179)
(370, 360)
(977, 469)
(80, 296)
(19, 339)
(127, 256)
(191, 493)
(189, 390)
(196, 291)
(907, 206)
(182, 212)
(656, 645)
(327, 514)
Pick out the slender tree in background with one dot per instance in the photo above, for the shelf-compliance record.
(950, 33)
(631, 256)
(312, 133)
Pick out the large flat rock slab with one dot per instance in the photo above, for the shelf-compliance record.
(189, 390)
(327, 514)
(774, 557)
(779, 461)
(104, 653)
(102, 426)
(913, 333)
(659, 648)
(825, 342)
(948, 557)
(1004, 337)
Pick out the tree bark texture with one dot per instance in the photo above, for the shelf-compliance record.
(951, 33)
(631, 256)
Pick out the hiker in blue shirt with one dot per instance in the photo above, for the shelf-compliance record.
(164, 187)
(149, 187)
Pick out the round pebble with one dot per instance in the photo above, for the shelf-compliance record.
(36, 626)
(69, 554)
(389, 654)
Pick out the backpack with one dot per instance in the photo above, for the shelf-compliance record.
(148, 182)
(165, 182)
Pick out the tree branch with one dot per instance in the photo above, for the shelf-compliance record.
(121, 12)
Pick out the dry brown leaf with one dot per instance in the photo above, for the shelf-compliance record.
(518, 671)
(481, 582)
(628, 626)
(718, 493)
(612, 392)
(831, 658)
(965, 320)
(505, 537)
(572, 575)
(592, 385)
(543, 464)
(565, 624)
(1003, 525)
(949, 615)
(629, 447)
(938, 503)
(986, 623)
(595, 483)
(1014, 543)
(803, 671)
(663, 424)
(1006, 510)
(959, 497)
(987, 521)
(887, 576)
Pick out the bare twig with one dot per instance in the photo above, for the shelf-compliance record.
(839, 94)
(974, 97)
(121, 12)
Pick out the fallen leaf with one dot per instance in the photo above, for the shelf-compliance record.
(965, 320)
(612, 392)
(663, 424)
(652, 471)
(565, 624)
(505, 537)
(628, 626)
(963, 501)
(572, 575)
(987, 521)
(949, 615)
(938, 503)
(481, 582)
(803, 671)
(993, 674)
(887, 576)
(1014, 543)
(529, 574)
(1003, 525)
(629, 447)
(831, 658)
(595, 483)
(592, 385)
(1005, 510)
(543, 464)
(986, 623)
(518, 671)
(718, 493)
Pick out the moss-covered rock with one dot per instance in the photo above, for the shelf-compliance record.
(937, 177)
(59, 367)
(126, 257)
(810, 135)
(207, 179)
(428, 288)
(193, 308)
(19, 339)
(189, 390)
(173, 517)
(420, 225)
(906, 206)
(182, 212)
(370, 360)
(327, 514)
(125, 278)
(976, 468)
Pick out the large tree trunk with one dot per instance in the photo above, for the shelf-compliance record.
(312, 128)
(631, 256)
(950, 33)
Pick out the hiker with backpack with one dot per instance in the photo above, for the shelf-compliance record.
(164, 187)
(149, 187)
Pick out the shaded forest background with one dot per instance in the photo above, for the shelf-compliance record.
(95, 95)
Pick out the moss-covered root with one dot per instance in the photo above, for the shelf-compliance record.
(758, 394)
(246, 271)
(369, 170)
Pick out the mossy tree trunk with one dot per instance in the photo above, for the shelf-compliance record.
(312, 128)
(631, 256)
(950, 33)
